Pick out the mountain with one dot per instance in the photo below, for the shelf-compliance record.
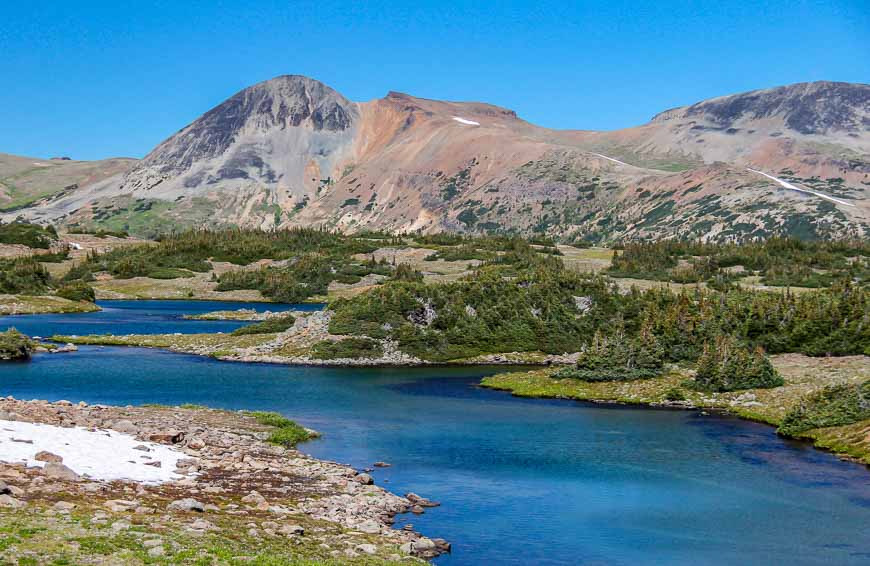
(292, 151)
(25, 180)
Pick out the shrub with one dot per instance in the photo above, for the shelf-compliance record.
(77, 291)
(14, 345)
(287, 433)
(675, 394)
(728, 365)
(834, 405)
(30, 235)
(347, 348)
(405, 272)
(169, 273)
(618, 358)
(268, 326)
(23, 275)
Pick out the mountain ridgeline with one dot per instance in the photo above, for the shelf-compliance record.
(291, 151)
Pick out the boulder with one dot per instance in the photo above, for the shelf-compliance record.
(186, 504)
(57, 471)
(288, 530)
(125, 426)
(44, 456)
(364, 479)
(369, 527)
(171, 436)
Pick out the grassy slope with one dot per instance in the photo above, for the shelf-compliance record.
(26, 304)
(802, 375)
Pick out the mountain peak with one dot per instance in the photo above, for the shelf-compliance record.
(807, 108)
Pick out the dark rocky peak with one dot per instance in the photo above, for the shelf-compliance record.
(808, 108)
(284, 102)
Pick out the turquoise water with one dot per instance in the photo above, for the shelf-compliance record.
(520, 481)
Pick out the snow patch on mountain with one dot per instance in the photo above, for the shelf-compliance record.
(787, 185)
(467, 122)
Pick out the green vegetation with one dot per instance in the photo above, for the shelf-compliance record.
(727, 365)
(835, 405)
(268, 326)
(23, 275)
(77, 291)
(347, 348)
(618, 358)
(14, 345)
(779, 262)
(288, 433)
(25, 234)
(405, 272)
(524, 301)
(99, 233)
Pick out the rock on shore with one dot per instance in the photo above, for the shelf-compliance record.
(227, 476)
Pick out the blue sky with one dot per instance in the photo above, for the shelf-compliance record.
(98, 79)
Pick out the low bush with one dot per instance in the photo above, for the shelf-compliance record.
(30, 235)
(169, 273)
(347, 348)
(288, 433)
(618, 358)
(77, 291)
(14, 345)
(728, 365)
(268, 326)
(835, 405)
(23, 275)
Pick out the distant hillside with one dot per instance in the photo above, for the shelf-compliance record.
(291, 151)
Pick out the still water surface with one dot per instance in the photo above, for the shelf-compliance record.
(520, 481)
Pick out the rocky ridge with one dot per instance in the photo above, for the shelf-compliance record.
(235, 482)
(291, 151)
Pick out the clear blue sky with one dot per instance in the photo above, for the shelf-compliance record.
(98, 79)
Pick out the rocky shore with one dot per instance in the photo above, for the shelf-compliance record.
(233, 494)
(293, 346)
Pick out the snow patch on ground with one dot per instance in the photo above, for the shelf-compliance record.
(788, 185)
(467, 122)
(100, 455)
(609, 159)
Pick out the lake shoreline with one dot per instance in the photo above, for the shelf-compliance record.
(231, 476)
(749, 405)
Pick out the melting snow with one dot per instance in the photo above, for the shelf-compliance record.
(788, 185)
(609, 158)
(467, 122)
(100, 455)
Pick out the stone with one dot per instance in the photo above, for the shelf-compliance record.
(125, 426)
(9, 501)
(156, 551)
(119, 526)
(202, 525)
(254, 498)
(196, 444)
(364, 479)
(369, 527)
(171, 436)
(187, 504)
(367, 548)
(288, 530)
(423, 544)
(63, 506)
(421, 501)
(44, 456)
(58, 471)
(417, 510)
(381, 465)
(151, 543)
